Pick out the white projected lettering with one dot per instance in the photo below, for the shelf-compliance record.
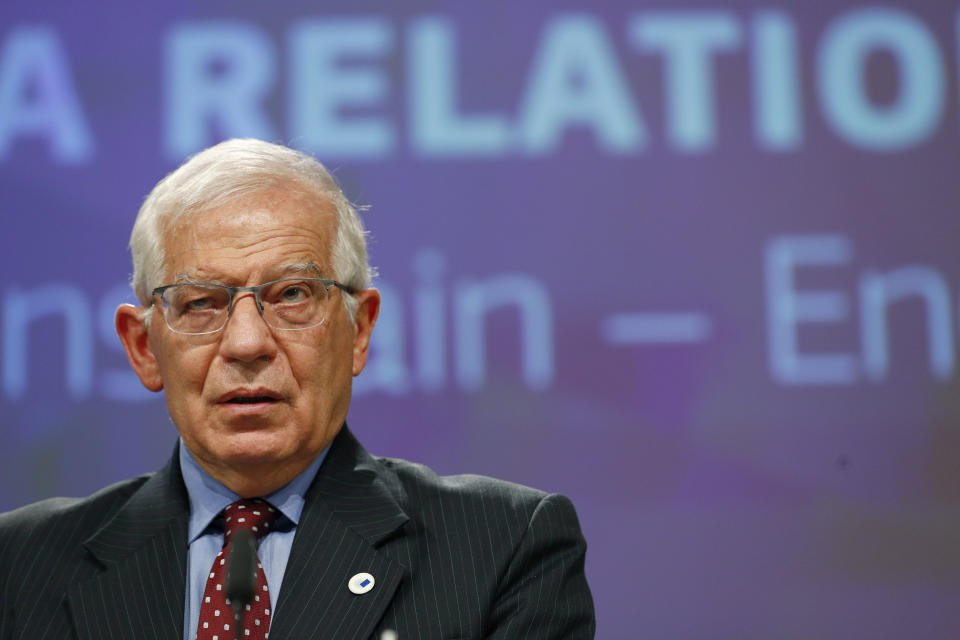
(360, 88)
(436, 126)
(432, 336)
(23, 308)
(529, 298)
(841, 67)
(776, 95)
(322, 87)
(397, 366)
(347, 81)
(218, 75)
(577, 80)
(879, 290)
(687, 40)
(789, 308)
(38, 97)
(521, 295)
(430, 304)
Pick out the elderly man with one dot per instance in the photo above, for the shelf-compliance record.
(256, 312)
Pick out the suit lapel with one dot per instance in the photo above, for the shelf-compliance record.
(348, 513)
(143, 552)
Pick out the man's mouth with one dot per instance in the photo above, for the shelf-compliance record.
(250, 396)
(251, 399)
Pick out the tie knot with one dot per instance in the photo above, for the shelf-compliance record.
(254, 514)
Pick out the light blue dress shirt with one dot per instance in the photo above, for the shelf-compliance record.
(208, 498)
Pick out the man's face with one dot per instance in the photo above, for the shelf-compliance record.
(300, 381)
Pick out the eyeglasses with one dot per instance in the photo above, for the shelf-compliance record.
(289, 304)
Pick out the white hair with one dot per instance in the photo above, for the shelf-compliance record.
(226, 173)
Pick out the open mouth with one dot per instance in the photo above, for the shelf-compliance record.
(250, 397)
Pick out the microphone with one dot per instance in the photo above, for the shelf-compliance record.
(241, 574)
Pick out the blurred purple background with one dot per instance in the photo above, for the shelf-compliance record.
(691, 264)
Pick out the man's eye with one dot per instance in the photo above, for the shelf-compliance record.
(294, 293)
(197, 304)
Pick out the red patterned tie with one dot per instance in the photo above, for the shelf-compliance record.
(216, 614)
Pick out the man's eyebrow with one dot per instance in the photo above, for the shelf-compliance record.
(186, 277)
(279, 271)
(302, 267)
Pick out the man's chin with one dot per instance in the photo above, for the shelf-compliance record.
(253, 447)
(241, 449)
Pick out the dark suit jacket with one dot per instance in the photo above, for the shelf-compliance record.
(453, 557)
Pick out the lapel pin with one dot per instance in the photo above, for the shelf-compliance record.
(361, 583)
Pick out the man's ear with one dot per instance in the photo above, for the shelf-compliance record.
(367, 311)
(133, 334)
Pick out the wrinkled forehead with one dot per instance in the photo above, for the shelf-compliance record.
(261, 230)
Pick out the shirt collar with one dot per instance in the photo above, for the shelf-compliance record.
(209, 497)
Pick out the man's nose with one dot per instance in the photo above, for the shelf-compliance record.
(246, 336)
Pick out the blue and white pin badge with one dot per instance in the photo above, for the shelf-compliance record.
(361, 583)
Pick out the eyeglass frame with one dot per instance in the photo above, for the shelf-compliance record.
(255, 290)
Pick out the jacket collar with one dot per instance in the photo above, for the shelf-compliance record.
(351, 509)
(143, 550)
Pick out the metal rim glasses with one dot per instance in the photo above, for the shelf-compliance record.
(290, 304)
